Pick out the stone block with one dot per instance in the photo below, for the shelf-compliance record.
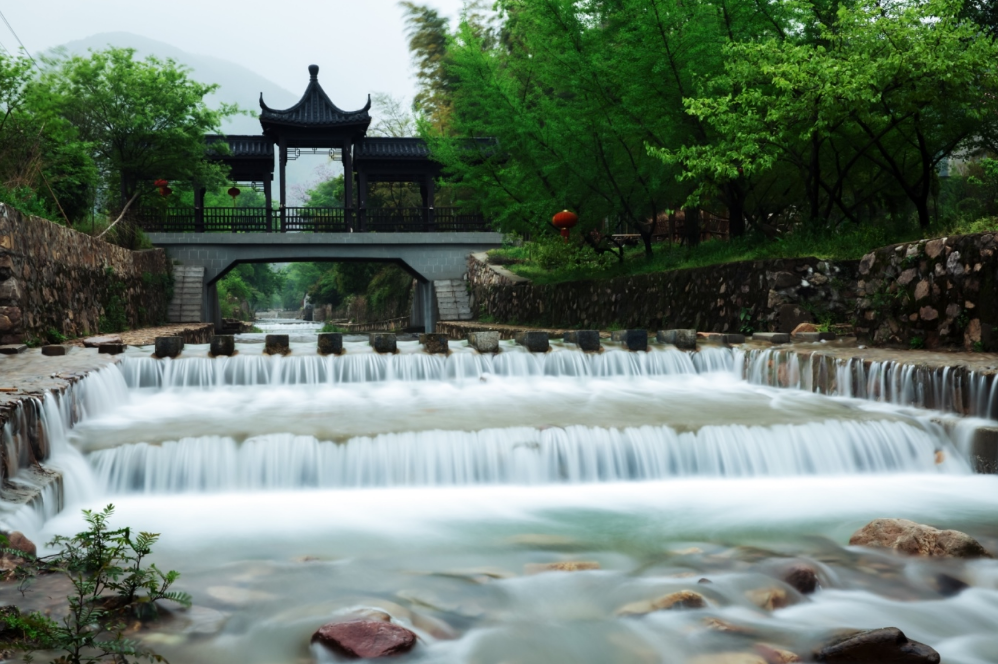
(535, 342)
(984, 451)
(169, 346)
(96, 342)
(588, 340)
(570, 337)
(813, 336)
(12, 349)
(111, 349)
(618, 336)
(682, 339)
(383, 342)
(277, 344)
(434, 344)
(55, 350)
(636, 340)
(330, 343)
(484, 342)
(733, 338)
(223, 345)
(772, 337)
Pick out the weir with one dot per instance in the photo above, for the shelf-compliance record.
(382, 464)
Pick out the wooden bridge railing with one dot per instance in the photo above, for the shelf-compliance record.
(307, 220)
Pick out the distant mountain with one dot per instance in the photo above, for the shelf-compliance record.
(238, 85)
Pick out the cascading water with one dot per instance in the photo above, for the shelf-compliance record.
(290, 489)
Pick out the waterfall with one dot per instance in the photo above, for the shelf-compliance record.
(521, 456)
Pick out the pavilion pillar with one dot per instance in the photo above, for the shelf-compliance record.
(362, 201)
(283, 162)
(268, 196)
(348, 184)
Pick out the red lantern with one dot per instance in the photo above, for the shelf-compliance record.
(565, 221)
(234, 191)
(165, 191)
(163, 186)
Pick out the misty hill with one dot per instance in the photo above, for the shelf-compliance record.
(239, 85)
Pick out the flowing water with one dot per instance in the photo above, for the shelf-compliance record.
(289, 490)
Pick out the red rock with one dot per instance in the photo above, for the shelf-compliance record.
(362, 639)
(18, 541)
(805, 327)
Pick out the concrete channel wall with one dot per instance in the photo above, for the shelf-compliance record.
(53, 278)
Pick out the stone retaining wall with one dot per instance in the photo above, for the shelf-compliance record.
(929, 293)
(55, 278)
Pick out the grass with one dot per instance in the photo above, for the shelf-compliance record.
(844, 245)
(331, 327)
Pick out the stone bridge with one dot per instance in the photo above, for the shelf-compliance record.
(428, 257)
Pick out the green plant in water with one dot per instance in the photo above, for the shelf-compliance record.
(54, 336)
(332, 327)
(110, 584)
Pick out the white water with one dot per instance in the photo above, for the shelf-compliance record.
(424, 484)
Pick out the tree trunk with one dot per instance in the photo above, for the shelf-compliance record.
(691, 226)
(646, 238)
(736, 209)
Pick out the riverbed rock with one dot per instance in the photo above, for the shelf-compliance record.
(684, 599)
(681, 339)
(883, 646)
(587, 340)
(96, 342)
(330, 343)
(223, 345)
(277, 344)
(383, 342)
(169, 346)
(17, 541)
(728, 658)
(562, 566)
(484, 342)
(801, 577)
(434, 344)
(776, 655)
(915, 539)
(535, 342)
(364, 639)
(54, 350)
(770, 599)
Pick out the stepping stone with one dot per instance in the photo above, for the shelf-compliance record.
(383, 342)
(169, 346)
(682, 339)
(111, 349)
(55, 350)
(484, 342)
(587, 340)
(12, 349)
(277, 344)
(535, 342)
(330, 343)
(223, 345)
(434, 344)
(772, 337)
(814, 336)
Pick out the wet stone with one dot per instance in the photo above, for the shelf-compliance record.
(223, 345)
(635, 340)
(12, 349)
(434, 344)
(169, 346)
(813, 336)
(330, 343)
(55, 350)
(915, 539)
(277, 344)
(888, 645)
(535, 342)
(97, 342)
(587, 340)
(383, 342)
(111, 349)
(484, 342)
(363, 639)
(772, 337)
(734, 338)
(803, 578)
(984, 450)
(681, 339)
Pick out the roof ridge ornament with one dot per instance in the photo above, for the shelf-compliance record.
(313, 72)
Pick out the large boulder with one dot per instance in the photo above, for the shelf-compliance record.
(916, 539)
(17, 541)
(883, 646)
(363, 639)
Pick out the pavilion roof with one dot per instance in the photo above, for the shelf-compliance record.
(314, 110)
(387, 147)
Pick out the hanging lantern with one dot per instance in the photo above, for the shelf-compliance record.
(234, 191)
(163, 186)
(165, 191)
(565, 221)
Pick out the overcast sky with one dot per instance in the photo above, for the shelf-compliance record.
(359, 44)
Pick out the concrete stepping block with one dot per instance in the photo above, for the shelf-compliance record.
(111, 349)
(772, 337)
(277, 344)
(586, 340)
(169, 346)
(54, 350)
(383, 342)
(330, 343)
(535, 342)
(634, 340)
(681, 339)
(484, 342)
(434, 344)
(12, 349)
(223, 345)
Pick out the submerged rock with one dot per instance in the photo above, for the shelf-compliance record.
(916, 539)
(365, 638)
(564, 566)
(684, 599)
(728, 658)
(801, 577)
(770, 599)
(883, 646)
(775, 655)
